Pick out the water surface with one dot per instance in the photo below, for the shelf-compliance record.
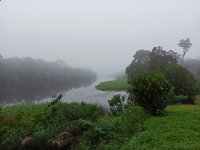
(90, 94)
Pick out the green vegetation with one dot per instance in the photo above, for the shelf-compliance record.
(178, 129)
(151, 91)
(182, 81)
(144, 121)
(184, 87)
(116, 104)
(91, 127)
(45, 121)
(115, 85)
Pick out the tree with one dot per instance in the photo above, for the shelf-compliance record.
(181, 79)
(151, 90)
(185, 45)
(140, 62)
(160, 57)
(34, 79)
(145, 60)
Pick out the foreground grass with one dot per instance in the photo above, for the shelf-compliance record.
(95, 128)
(178, 129)
(115, 85)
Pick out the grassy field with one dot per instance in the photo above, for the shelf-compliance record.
(179, 129)
(115, 85)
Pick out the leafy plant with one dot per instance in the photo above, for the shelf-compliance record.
(117, 104)
(133, 120)
(182, 80)
(151, 90)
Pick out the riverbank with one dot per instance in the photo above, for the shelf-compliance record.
(90, 125)
(120, 84)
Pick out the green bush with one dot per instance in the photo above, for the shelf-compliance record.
(151, 90)
(197, 85)
(182, 80)
(180, 99)
(116, 104)
(110, 132)
(83, 110)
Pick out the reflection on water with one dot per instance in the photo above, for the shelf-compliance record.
(89, 94)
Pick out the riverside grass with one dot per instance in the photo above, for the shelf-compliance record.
(114, 85)
(178, 129)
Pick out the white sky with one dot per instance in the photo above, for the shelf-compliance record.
(100, 34)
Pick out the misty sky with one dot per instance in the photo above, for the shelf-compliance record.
(100, 34)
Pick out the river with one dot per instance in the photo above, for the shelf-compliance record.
(89, 94)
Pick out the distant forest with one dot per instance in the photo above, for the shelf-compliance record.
(31, 79)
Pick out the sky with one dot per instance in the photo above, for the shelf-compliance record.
(99, 34)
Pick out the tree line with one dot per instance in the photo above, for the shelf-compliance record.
(34, 79)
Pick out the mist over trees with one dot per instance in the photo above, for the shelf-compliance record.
(180, 73)
(34, 79)
(193, 65)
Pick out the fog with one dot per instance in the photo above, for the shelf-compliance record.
(102, 35)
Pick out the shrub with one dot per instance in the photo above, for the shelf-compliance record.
(180, 99)
(151, 90)
(182, 80)
(133, 120)
(197, 85)
(116, 104)
(75, 111)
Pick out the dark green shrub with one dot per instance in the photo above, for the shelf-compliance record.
(104, 130)
(197, 85)
(180, 99)
(151, 90)
(182, 80)
(77, 127)
(76, 111)
(15, 136)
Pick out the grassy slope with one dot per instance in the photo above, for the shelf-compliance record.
(179, 129)
(115, 85)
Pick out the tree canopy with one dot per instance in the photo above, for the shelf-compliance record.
(144, 60)
(140, 62)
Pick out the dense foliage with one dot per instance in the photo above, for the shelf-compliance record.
(90, 126)
(33, 79)
(151, 91)
(140, 62)
(93, 128)
(160, 57)
(116, 104)
(144, 60)
(171, 64)
(182, 80)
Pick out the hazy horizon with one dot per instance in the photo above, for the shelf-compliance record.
(101, 35)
